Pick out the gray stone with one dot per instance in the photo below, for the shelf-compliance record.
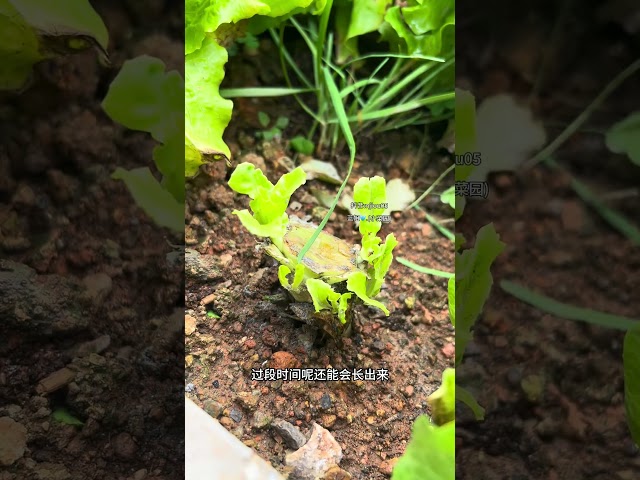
(235, 414)
(291, 435)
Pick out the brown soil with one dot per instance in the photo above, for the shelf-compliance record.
(228, 277)
(557, 246)
(80, 262)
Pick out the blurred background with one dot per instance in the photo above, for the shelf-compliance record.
(552, 387)
(91, 357)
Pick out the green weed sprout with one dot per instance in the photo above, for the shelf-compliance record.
(330, 261)
(144, 97)
(276, 129)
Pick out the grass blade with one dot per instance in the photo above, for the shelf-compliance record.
(615, 219)
(427, 270)
(431, 187)
(438, 226)
(583, 117)
(262, 92)
(564, 310)
(336, 100)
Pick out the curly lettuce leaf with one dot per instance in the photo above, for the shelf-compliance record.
(421, 28)
(370, 191)
(357, 283)
(249, 180)
(269, 202)
(207, 113)
(298, 276)
(326, 298)
(206, 16)
(208, 23)
(381, 265)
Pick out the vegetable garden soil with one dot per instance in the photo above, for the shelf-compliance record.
(227, 277)
(85, 280)
(572, 424)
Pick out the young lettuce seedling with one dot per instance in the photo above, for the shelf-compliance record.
(330, 261)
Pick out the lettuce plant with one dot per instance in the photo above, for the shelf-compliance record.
(332, 271)
(144, 97)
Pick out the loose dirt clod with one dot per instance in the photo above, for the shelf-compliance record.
(13, 441)
(56, 380)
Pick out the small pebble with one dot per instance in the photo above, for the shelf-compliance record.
(291, 435)
(235, 414)
(213, 408)
(325, 401)
(514, 375)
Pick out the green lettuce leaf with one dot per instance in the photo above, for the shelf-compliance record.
(421, 28)
(381, 264)
(624, 137)
(269, 202)
(63, 17)
(156, 202)
(430, 454)
(357, 283)
(366, 16)
(326, 298)
(146, 98)
(209, 25)
(473, 283)
(631, 358)
(443, 400)
(370, 191)
(207, 113)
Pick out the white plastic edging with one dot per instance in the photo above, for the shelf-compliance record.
(212, 453)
